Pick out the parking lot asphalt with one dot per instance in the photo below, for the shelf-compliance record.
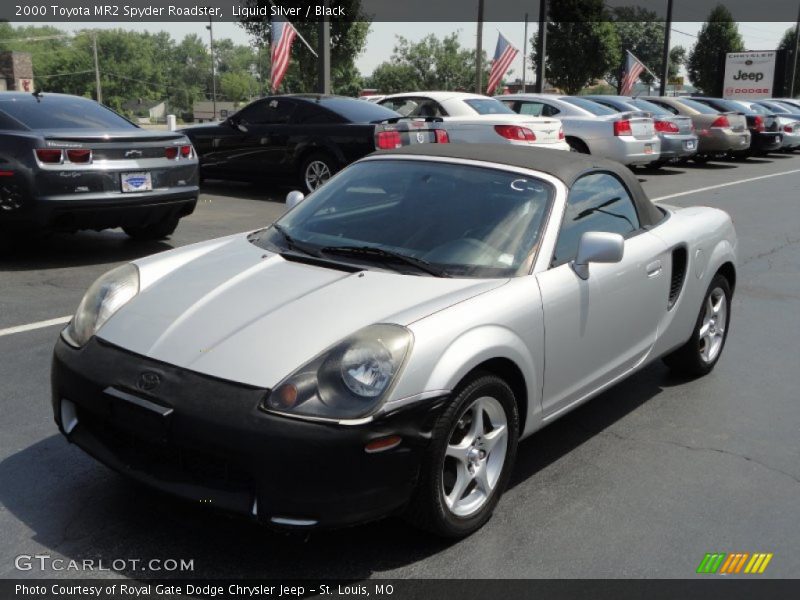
(640, 482)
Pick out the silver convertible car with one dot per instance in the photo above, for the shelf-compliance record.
(383, 346)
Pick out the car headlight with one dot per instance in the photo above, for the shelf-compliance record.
(349, 380)
(106, 296)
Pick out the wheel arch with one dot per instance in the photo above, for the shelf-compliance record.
(507, 370)
(728, 271)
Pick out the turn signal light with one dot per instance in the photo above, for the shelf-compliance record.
(788, 128)
(514, 132)
(49, 155)
(79, 155)
(441, 136)
(186, 151)
(622, 127)
(666, 127)
(386, 140)
(721, 121)
(171, 152)
(383, 444)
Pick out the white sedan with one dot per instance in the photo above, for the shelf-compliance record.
(472, 118)
(383, 346)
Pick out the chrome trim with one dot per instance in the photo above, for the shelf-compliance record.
(69, 416)
(293, 522)
(123, 165)
(163, 411)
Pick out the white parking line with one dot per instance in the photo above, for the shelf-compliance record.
(32, 326)
(722, 185)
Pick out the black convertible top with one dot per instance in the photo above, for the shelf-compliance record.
(566, 166)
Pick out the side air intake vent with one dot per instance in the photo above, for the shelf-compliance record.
(678, 275)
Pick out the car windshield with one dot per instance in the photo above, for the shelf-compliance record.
(488, 106)
(64, 112)
(589, 106)
(655, 109)
(459, 220)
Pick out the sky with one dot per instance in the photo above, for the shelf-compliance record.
(382, 36)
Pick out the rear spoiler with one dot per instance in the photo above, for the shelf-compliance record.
(425, 119)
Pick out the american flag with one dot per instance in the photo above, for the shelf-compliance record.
(503, 55)
(283, 34)
(630, 75)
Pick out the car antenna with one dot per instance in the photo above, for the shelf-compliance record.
(38, 95)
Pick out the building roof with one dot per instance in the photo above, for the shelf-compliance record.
(141, 104)
(566, 166)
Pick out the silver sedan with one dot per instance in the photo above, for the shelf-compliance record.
(384, 346)
(629, 138)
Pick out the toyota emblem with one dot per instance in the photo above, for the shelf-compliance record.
(148, 381)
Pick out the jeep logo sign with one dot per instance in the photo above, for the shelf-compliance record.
(749, 74)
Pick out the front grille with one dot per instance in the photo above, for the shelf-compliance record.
(165, 460)
(678, 275)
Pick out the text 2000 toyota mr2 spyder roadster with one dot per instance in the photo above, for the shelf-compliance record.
(385, 345)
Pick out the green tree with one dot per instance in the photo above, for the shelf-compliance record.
(640, 33)
(719, 35)
(677, 58)
(582, 44)
(430, 64)
(348, 37)
(788, 43)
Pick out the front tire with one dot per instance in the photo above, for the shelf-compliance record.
(154, 231)
(701, 353)
(469, 461)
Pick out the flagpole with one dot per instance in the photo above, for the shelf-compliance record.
(302, 39)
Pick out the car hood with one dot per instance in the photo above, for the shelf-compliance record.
(228, 309)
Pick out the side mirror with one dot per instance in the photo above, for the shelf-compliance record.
(294, 198)
(598, 247)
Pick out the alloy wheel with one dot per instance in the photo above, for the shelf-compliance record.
(475, 455)
(317, 173)
(712, 331)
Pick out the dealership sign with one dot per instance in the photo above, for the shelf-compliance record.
(749, 74)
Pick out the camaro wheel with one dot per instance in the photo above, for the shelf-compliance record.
(317, 169)
(470, 459)
(701, 353)
(155, 231)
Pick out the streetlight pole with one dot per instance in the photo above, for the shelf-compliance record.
(662, 90)
(479, 51)
(541, 47)
(796, 48)
(524, 51)
(210, 28)
(97, 69)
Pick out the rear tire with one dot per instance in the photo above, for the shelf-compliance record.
(701, 353)
(317, 168)
(154, 231)
(469, 460)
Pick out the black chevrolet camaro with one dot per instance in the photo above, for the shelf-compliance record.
(69, 163)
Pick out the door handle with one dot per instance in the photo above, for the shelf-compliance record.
(654, 268)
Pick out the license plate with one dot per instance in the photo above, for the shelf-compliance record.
(136, 182)
(648, 148)
(689, 145)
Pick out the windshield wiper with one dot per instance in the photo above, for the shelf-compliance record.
(385, 256)
(293, 244)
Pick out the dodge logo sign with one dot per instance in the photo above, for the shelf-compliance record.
(148, 381)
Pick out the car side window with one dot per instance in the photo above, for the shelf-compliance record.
(671, 109)
(550, 111)
(271, 111)
(308, 114)
(427, 108)
(533, 109)
(596, 202)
